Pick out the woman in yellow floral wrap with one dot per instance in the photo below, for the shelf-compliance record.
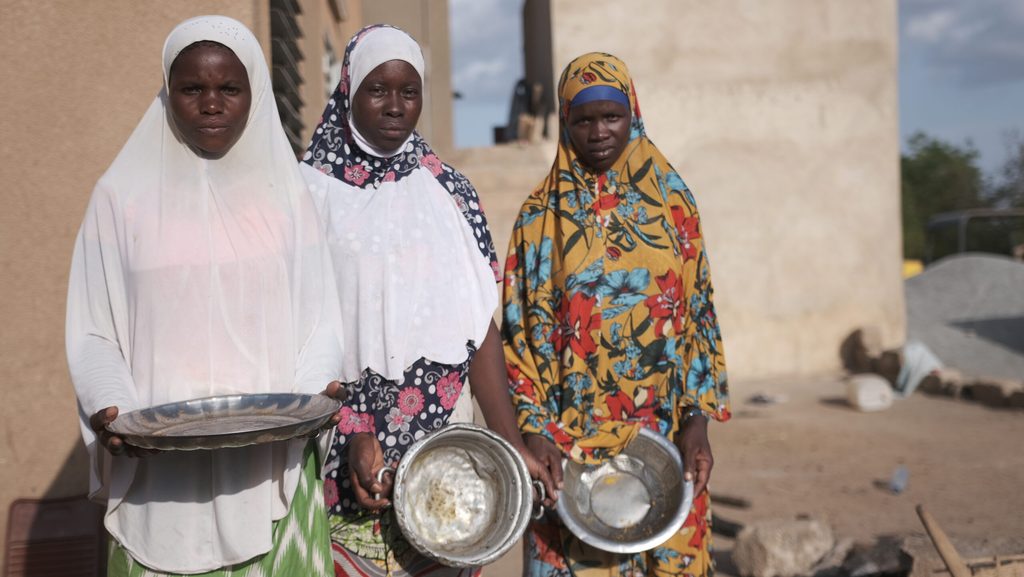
(609, 324)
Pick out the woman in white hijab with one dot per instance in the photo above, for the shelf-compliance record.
(416, 273)
(200, 269)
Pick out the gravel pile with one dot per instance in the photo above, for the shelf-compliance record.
(969, 309)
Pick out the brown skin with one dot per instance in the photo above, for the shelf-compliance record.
(209, 96)
(488, 381)
(599, 132)
(387, 105)
(116, 445)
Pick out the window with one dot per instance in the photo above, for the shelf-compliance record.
(285, 59)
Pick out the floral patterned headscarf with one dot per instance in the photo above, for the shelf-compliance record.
(335, 151)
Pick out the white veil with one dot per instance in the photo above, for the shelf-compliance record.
(191, 278)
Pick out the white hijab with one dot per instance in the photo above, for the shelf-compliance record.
(412, 278)
(192, 278)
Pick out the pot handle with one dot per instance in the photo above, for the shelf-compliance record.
(538, 511)
(380, 479)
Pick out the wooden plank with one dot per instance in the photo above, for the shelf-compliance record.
(946, 550)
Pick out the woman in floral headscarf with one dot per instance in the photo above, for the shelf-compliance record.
(416, 270)
(609, 324)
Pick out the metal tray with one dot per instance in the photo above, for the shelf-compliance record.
(225, 421)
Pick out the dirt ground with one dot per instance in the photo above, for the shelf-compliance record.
(811, 454)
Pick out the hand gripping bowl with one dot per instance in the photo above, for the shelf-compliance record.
(631, 503)
(462, 495)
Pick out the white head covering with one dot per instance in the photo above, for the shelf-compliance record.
(378, 46)
(191, 278)
(414, 261)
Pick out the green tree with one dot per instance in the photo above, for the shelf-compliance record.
(1010, 190)
(936, 177)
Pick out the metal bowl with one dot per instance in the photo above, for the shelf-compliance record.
(630, 503)
(462, 496)
(225, 421)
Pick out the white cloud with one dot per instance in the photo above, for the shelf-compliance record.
(976, 41)
(931, 26)
(486, 45)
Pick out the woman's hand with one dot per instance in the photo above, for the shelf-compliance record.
(540, 472)
(366, 459)
(696, 449)
(336, 391)
(546, 456)
(114, 444)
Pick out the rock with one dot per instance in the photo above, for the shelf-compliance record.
(831, 565)
(949, 383)
(884, 557)
(781, 548)
(869, 392)
(858, 350)
(1017, 399)
(992, 392)
(889, 364)
(931, 384)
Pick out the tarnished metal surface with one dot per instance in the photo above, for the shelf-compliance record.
(451, 495)
(631, 503)
(462, 495)
(225, 421)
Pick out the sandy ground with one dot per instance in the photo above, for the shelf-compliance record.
(813, 455)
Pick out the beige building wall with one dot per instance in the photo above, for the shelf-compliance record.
(782, 118)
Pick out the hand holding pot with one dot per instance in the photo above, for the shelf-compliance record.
(366, 459)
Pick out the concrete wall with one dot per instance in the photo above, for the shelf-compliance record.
(782, 118)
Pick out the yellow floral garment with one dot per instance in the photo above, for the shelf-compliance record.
(609, 323)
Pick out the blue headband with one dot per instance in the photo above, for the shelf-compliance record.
(600, 92)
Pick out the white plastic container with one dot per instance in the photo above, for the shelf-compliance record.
(869, 392)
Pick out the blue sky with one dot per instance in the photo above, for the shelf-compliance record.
(961, 69)
(962, 72)
(487, 60)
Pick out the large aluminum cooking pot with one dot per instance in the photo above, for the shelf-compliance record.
(630, 503)
(462, 495)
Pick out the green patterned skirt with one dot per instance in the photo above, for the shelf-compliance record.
(292, 557)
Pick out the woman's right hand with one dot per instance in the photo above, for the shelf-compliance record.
(366, 459)
(549, 456)
(114, 444)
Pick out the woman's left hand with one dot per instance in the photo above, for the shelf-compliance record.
(696, 449)
(540, 473)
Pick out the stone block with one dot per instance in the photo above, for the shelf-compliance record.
(992, 391)
(945, 382)
(854, 351)
(782, 548)
(883, 557)
(889, 364)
